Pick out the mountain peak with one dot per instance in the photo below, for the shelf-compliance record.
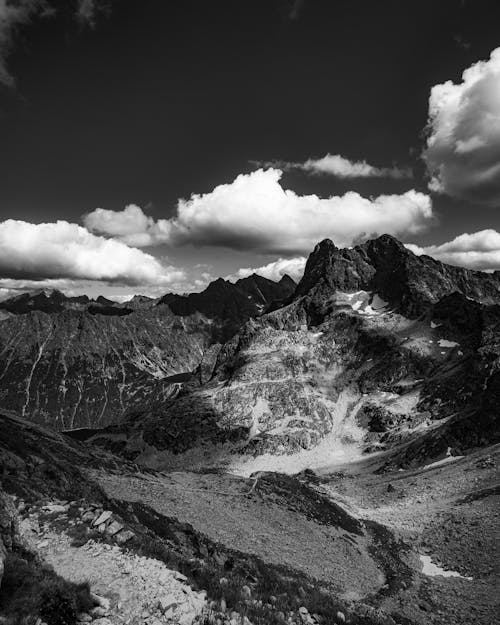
(385, 266)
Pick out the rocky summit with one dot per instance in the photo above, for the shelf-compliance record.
(258, 453)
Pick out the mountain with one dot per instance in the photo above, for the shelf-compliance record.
(377, 349)
(233, 304)
(45, 300)
(75, 362)
(409, 283)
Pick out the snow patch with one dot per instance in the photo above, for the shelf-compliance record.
(259, 409)
(433, 570)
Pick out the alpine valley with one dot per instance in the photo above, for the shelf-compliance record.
(258, 453)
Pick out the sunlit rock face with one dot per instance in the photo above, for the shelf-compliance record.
(75, 362)
(376, 347)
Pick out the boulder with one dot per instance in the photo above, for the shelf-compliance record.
(124, 536)
(103, 517)
(113, 528)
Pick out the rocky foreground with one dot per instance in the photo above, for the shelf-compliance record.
(364, 545)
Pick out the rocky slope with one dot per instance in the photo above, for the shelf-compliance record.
(75, 362)
(376, 348)
(412, 547)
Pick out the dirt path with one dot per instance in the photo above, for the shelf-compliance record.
(140, 591)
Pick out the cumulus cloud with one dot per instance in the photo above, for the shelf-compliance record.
(66, 250)
(254, 212)
(341, 167)
(463, 144)
(130, 225)
(479, 250)
(275, 270)
(15, 14)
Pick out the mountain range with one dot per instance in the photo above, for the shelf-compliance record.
(261, 453)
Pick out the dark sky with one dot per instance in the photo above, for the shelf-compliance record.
(164, 99)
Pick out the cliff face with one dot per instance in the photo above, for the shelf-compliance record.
(75, 362)
(410, 284)
(375, 348)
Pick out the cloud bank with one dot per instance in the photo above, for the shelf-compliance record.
(341, 167)
(255, 213)
(66, 250)
(479, 250)
(463, 144)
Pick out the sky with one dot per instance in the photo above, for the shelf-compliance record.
(150, 146)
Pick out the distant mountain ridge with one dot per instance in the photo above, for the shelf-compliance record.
(76, 362)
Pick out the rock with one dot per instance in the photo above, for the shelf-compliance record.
(103, 517)
(124, 536)
(83, 617)
(99, 611)
(340, 616)
(167, 603)
(180, 577)
(29, 526)
(246, 593)
(113, 528)
(88, 516)
(100, 601)
(56, 507)
(42, 544)
(169, 614)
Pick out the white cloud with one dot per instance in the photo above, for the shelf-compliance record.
(130, 225)
(341, 167)
(463, 146)
(275, 270)
(479, 250)
(14, 14)
(66, 250)
(254, 212)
